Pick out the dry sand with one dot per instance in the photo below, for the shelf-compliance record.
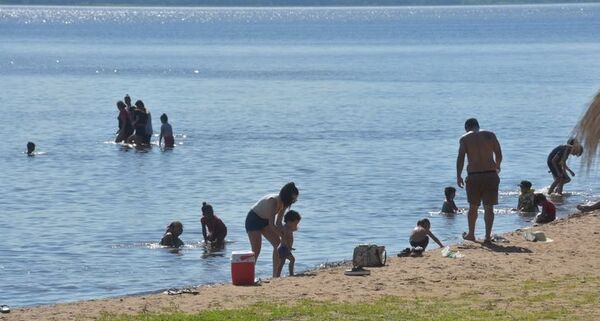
(575, 251)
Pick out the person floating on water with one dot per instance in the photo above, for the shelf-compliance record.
(171, 236)
(484, 155)
(449, 207)
(526, 203)
(419, 238)
(30, 149)
(214, 230)
(284, 251)
(548, 213)
(557, 163)
(166, 132)
(264, 219)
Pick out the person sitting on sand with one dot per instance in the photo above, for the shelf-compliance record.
(526, 201)
(166, 132)
(171, 236)
(548, 213)
(213, 229)
(291, 219)
(449, 207)
(557, 163)
(589, 208)
(419, 238)
(30, 149)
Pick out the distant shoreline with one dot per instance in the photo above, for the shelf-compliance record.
(284, 3)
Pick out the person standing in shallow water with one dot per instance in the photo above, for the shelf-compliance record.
(484, 157)
(265, 219)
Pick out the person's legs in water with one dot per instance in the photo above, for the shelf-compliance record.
(553, 185)
(564, 180)
(489, 221)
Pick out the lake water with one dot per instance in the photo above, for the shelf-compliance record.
(361, 107)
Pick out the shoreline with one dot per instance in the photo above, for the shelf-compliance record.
(518, 260)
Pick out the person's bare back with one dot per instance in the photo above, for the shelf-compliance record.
(480, 148)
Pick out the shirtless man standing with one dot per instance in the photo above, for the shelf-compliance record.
(484, 155)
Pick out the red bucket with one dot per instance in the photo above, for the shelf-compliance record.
(242, 267)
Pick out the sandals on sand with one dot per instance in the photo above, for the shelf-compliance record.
(405, 252)
(357, 271)
(417, 251)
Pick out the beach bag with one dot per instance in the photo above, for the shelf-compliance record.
(369, 255)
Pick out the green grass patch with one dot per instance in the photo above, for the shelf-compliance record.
(547, 300)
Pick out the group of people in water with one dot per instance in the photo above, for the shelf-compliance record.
(271, 217)
(484, 155)
(135, 125)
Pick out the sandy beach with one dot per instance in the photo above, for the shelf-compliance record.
(573, 253)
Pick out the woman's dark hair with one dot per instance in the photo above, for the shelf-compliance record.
(449, 191)
(424, 223)
(140, 104)
(291, 216)
(539, 198)
(121, 104)
(207, 209)
(287, 193)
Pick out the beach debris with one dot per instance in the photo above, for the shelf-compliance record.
(357, 271)
(499, 239)
(4, 309)
(446, 252)
(536, 236)
(181, 291)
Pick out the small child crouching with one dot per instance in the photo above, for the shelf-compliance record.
(419, 238)
(548, 213)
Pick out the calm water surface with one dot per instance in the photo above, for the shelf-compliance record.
(362, 108)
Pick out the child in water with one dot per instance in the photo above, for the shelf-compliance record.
(166, 132)
(449, 207)
(419, 238)
(213, 229)
(526, 201)
(557, 163)
(284, 251)
(171, 236)
(30, 149)
(548, 213)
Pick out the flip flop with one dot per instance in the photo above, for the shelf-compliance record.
(405, 252)
(4, 309)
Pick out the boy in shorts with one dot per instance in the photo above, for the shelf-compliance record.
(284, 251)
